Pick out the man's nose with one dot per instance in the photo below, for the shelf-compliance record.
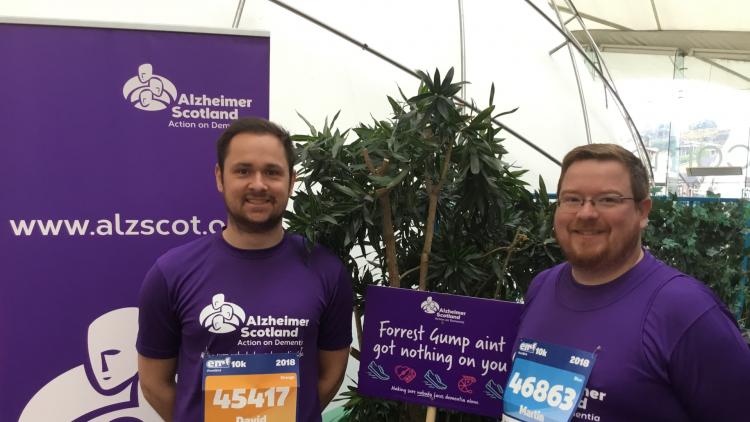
(588, 210)
(257, 182)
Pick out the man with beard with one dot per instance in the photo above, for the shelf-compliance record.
(666, 349)
(250, 290)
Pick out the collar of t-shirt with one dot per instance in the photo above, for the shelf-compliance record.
(580, 297)
(253, 253)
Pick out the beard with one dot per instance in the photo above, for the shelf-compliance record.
(609, 255)
(247, 225)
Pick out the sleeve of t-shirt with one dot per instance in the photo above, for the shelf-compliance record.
(534, 287)
(336, 322)
(158, 326)
(710, 369)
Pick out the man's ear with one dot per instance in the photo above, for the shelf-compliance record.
(219, 182)
(645, 207)
(292, 181)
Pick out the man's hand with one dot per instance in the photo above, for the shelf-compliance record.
(158, 384)
(331, 369)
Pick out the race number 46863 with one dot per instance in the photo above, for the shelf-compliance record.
(541, 391)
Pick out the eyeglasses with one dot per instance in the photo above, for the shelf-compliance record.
(573, 203)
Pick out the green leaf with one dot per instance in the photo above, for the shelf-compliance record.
(543, 191)
(397, 179)
(337, 146)
(397, 110)
(444, 109)
(313, 131)
(492, 93)
(381, 181)
(335, 116)
(481, 117)
(344, 189)
(505, 112)
(474, 160)
(425, 79)
(402, 94)
(328, 218)
(447, 80)
(420, 97)
(453, 89)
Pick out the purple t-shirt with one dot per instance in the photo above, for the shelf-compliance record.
(207, 296)
(667, 348)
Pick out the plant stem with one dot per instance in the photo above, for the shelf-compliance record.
(389, 237)
(429, 232)
(519, 237)
(409, 271)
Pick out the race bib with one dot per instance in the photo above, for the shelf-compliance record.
(250, 388)
(546, 382)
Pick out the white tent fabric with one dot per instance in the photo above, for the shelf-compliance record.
(507, 43)
(316, 73)
(719, 15)
(683, 68)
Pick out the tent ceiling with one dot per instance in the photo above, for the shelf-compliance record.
(728, 45)
(650, 15)
(709, 31)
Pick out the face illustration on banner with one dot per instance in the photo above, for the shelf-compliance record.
(145, 97)
(112, 350)
(105, 386)
(156, 86)
(145, 72)
(148, 91)
(255, 182)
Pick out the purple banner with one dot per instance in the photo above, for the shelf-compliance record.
(107, 151)
(438, 350)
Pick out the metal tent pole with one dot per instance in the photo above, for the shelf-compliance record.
(626, 115)
(462, 33)
(587, 126)
(238, 14)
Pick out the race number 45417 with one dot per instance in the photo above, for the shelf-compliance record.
(239, 398)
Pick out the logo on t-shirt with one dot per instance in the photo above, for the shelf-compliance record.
(221, 316)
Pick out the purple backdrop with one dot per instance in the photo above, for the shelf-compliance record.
(79, 142)
(437, 349)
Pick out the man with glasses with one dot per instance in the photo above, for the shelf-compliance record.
(666, 349)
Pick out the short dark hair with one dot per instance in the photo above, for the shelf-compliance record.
(639, 182)
(257, 126)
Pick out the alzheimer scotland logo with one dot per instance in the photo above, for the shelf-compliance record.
(148, 91)
(151, 92)
(441, 313)
(430, 306)
(220, 316)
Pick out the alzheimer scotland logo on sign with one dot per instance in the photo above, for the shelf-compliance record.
(148, 91)
(429, 306)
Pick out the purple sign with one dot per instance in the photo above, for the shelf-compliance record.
(107, 153)
(438, 350)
